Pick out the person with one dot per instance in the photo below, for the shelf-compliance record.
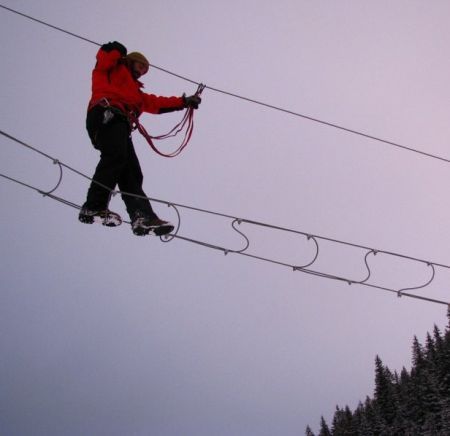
(116, 95)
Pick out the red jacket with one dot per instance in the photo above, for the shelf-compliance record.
(111, 79)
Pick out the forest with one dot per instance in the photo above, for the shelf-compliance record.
(409, 403)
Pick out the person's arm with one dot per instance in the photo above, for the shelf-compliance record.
(109, 54)
(160, 105)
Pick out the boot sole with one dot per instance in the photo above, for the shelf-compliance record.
(111, 219)
(156, 231)
(163, 230)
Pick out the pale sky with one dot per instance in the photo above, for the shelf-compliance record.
(105, 333)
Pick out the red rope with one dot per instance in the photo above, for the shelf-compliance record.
(187, 124)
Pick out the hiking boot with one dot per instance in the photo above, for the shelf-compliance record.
(105, 217)
(143, 225)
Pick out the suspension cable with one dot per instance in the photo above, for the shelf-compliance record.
(251, 100)
(367, 252)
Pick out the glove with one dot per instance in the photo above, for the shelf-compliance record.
(110, 46)
(192, 101)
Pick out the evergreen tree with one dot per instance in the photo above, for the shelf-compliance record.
(384, 392)
(336, 425)
(426, 386)
(308, 431)
(438, 340)
(350, 423)
(324, 429)
(364, 418)
(444, 367)
(342, 422)
(357, 420)
(430, 349)
(409, 404)
(432, 397)
(417, 354)
(417, 383)
(405, 401)
(445, 419)
(444, 381)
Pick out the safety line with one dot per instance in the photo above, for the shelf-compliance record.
(48, 24)
(306, 268)
(251, 100)
(223, 215)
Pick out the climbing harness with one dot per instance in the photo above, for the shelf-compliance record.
(187, 124)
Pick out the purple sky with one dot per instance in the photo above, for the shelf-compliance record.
(105, 333)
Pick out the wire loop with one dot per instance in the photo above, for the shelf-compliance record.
(243, 251)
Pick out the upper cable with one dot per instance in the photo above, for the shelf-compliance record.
(251, 100)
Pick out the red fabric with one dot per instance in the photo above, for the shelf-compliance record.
(111, 79)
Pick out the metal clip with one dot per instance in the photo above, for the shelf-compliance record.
(107, 116)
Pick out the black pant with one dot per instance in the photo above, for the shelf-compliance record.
(118, 165)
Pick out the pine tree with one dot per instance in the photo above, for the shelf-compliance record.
(308, 431)
(432, 398)
(341, 422)
(426, 386)
(336, 425)
(417, 354)
(409, 404)
(416, 384)
(357, 420)
(405, 401)
(444, 381)
(445, 419)
(364, 417)
(384, 392)
(324, 429)
(438, 339)
(350, 423)
(444, 370)
(439, 361)
(378, 424)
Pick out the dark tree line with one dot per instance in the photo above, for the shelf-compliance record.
(415, 403)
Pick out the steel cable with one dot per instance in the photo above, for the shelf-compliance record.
(251, 100)
(243, 251)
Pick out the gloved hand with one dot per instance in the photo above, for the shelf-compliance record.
(192, 101)
(110, 46)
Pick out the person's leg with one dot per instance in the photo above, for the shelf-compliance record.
(112, 141)
(130, 182)
(144, 221)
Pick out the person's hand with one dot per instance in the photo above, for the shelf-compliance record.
(192, 101)
(110, 46)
